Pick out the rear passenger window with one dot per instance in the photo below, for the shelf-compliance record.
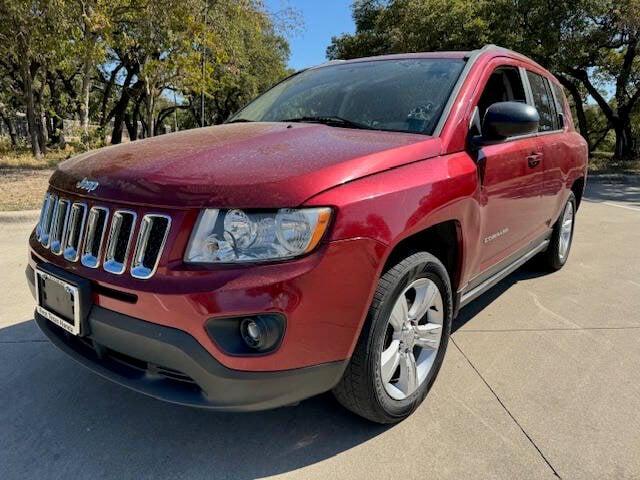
(543, 101)
(558, 93)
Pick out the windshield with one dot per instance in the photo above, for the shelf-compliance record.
(396, 95)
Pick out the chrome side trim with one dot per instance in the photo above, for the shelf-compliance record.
(89, 258)
(493, 280)
(75, 229)
(112, 265)
(138, 268)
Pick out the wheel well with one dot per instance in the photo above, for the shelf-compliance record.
(441, 240)
(578, 188)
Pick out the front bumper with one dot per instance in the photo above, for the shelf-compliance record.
(323, 296)
(169, 364)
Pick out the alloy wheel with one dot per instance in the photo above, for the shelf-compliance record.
(566, 231)
(412, 338)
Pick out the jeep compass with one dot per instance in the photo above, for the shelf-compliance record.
(323, 238)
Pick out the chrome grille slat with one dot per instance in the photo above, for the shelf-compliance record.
(59, 226)
(45, 205)
(47, 217)
(154, 229)
(119, 241)
(75, 231)
(94, 237)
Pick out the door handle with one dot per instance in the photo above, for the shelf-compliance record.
(534, 160)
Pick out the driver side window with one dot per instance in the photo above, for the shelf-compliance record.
(504, 85)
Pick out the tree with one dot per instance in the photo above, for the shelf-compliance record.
(133, 63)
(31, 43)
(91, 22)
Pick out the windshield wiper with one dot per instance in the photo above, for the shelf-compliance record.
(331, 121)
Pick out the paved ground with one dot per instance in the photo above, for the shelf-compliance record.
(542, 379)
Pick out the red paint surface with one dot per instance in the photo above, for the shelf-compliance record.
(383, 187)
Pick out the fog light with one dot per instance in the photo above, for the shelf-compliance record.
(259, 333)
(251, 335)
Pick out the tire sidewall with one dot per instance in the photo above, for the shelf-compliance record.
(427, 268)
(559, 261)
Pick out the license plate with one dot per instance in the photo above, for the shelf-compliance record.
(58, 301)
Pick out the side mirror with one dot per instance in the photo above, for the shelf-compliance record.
(508, 119)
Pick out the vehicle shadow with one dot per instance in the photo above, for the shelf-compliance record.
(61, 420)
(612, 192)
(528, 271)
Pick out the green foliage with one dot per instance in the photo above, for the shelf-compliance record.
(125, 63)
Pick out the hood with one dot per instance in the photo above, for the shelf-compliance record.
(244, 165)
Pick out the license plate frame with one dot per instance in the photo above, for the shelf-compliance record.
(71, 325)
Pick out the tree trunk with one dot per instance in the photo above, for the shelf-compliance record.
(57, 124)
(27, 82)
(87, 69)
(84, 97)
(119, 111)
(105, 99)
(583, 124)
(132, 121)
(118, 119)
(624, 149)
(43, 134)
(149, 102)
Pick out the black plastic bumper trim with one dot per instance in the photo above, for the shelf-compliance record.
(220, 388)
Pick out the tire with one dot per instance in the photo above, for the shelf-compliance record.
(362, 389)
(556, 255)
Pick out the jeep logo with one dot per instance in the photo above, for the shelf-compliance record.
(88, 185)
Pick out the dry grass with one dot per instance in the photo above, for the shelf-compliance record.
(23, 189)
(21, 158)
(23, 178)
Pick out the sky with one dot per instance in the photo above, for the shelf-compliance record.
(322, 20)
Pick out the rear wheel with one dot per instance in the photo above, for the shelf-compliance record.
(557, 253)
(403, 342)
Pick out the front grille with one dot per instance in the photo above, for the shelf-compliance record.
(66, 228)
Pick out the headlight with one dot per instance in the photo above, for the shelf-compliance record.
(228, 236)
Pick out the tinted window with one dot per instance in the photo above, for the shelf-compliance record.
(399, 95)
(543, 102)
(559, 97)
(504, 85)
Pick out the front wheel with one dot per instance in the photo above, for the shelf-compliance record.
(403, 341)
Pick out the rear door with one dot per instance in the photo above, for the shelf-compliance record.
(550, 144)
(511, 179)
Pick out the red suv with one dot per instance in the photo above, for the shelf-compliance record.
(324, 238)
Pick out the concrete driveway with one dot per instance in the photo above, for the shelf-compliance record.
(541, 380)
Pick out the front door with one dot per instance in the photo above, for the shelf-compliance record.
(511, 179)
